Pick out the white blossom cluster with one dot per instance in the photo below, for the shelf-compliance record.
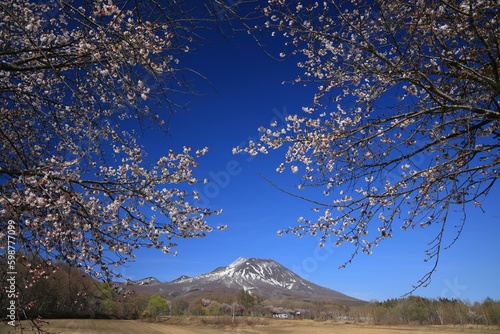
(75, 80)
(406, 120)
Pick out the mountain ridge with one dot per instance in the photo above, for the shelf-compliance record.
(264, 277)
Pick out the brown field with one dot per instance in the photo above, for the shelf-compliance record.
(249, 326)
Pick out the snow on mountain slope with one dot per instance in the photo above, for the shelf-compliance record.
(151, 281)
(249, 274)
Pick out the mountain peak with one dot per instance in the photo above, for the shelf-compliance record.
(146, 281)
(243, 261)
(181, 278)
(238, 262)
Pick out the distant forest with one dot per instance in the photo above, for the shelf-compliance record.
(70, 293)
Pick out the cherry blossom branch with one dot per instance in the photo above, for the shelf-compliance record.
(405, 122)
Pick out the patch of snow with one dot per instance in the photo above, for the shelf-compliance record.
(238, 261)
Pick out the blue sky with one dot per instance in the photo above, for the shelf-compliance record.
(249, 93)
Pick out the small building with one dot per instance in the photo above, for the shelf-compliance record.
(283, 315)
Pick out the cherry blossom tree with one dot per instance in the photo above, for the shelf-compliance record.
(405, 125)
(79, 81)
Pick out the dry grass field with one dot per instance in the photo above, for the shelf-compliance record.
(252, 326)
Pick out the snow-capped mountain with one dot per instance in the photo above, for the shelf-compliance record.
(264, 277)
(150, 281)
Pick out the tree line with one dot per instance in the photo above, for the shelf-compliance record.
(70, 293)
(427, 311)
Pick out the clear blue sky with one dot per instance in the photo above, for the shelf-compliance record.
(249, 93)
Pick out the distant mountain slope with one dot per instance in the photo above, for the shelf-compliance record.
(150, 281)
(265, 277)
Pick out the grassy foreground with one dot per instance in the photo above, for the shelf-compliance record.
(251, 326)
